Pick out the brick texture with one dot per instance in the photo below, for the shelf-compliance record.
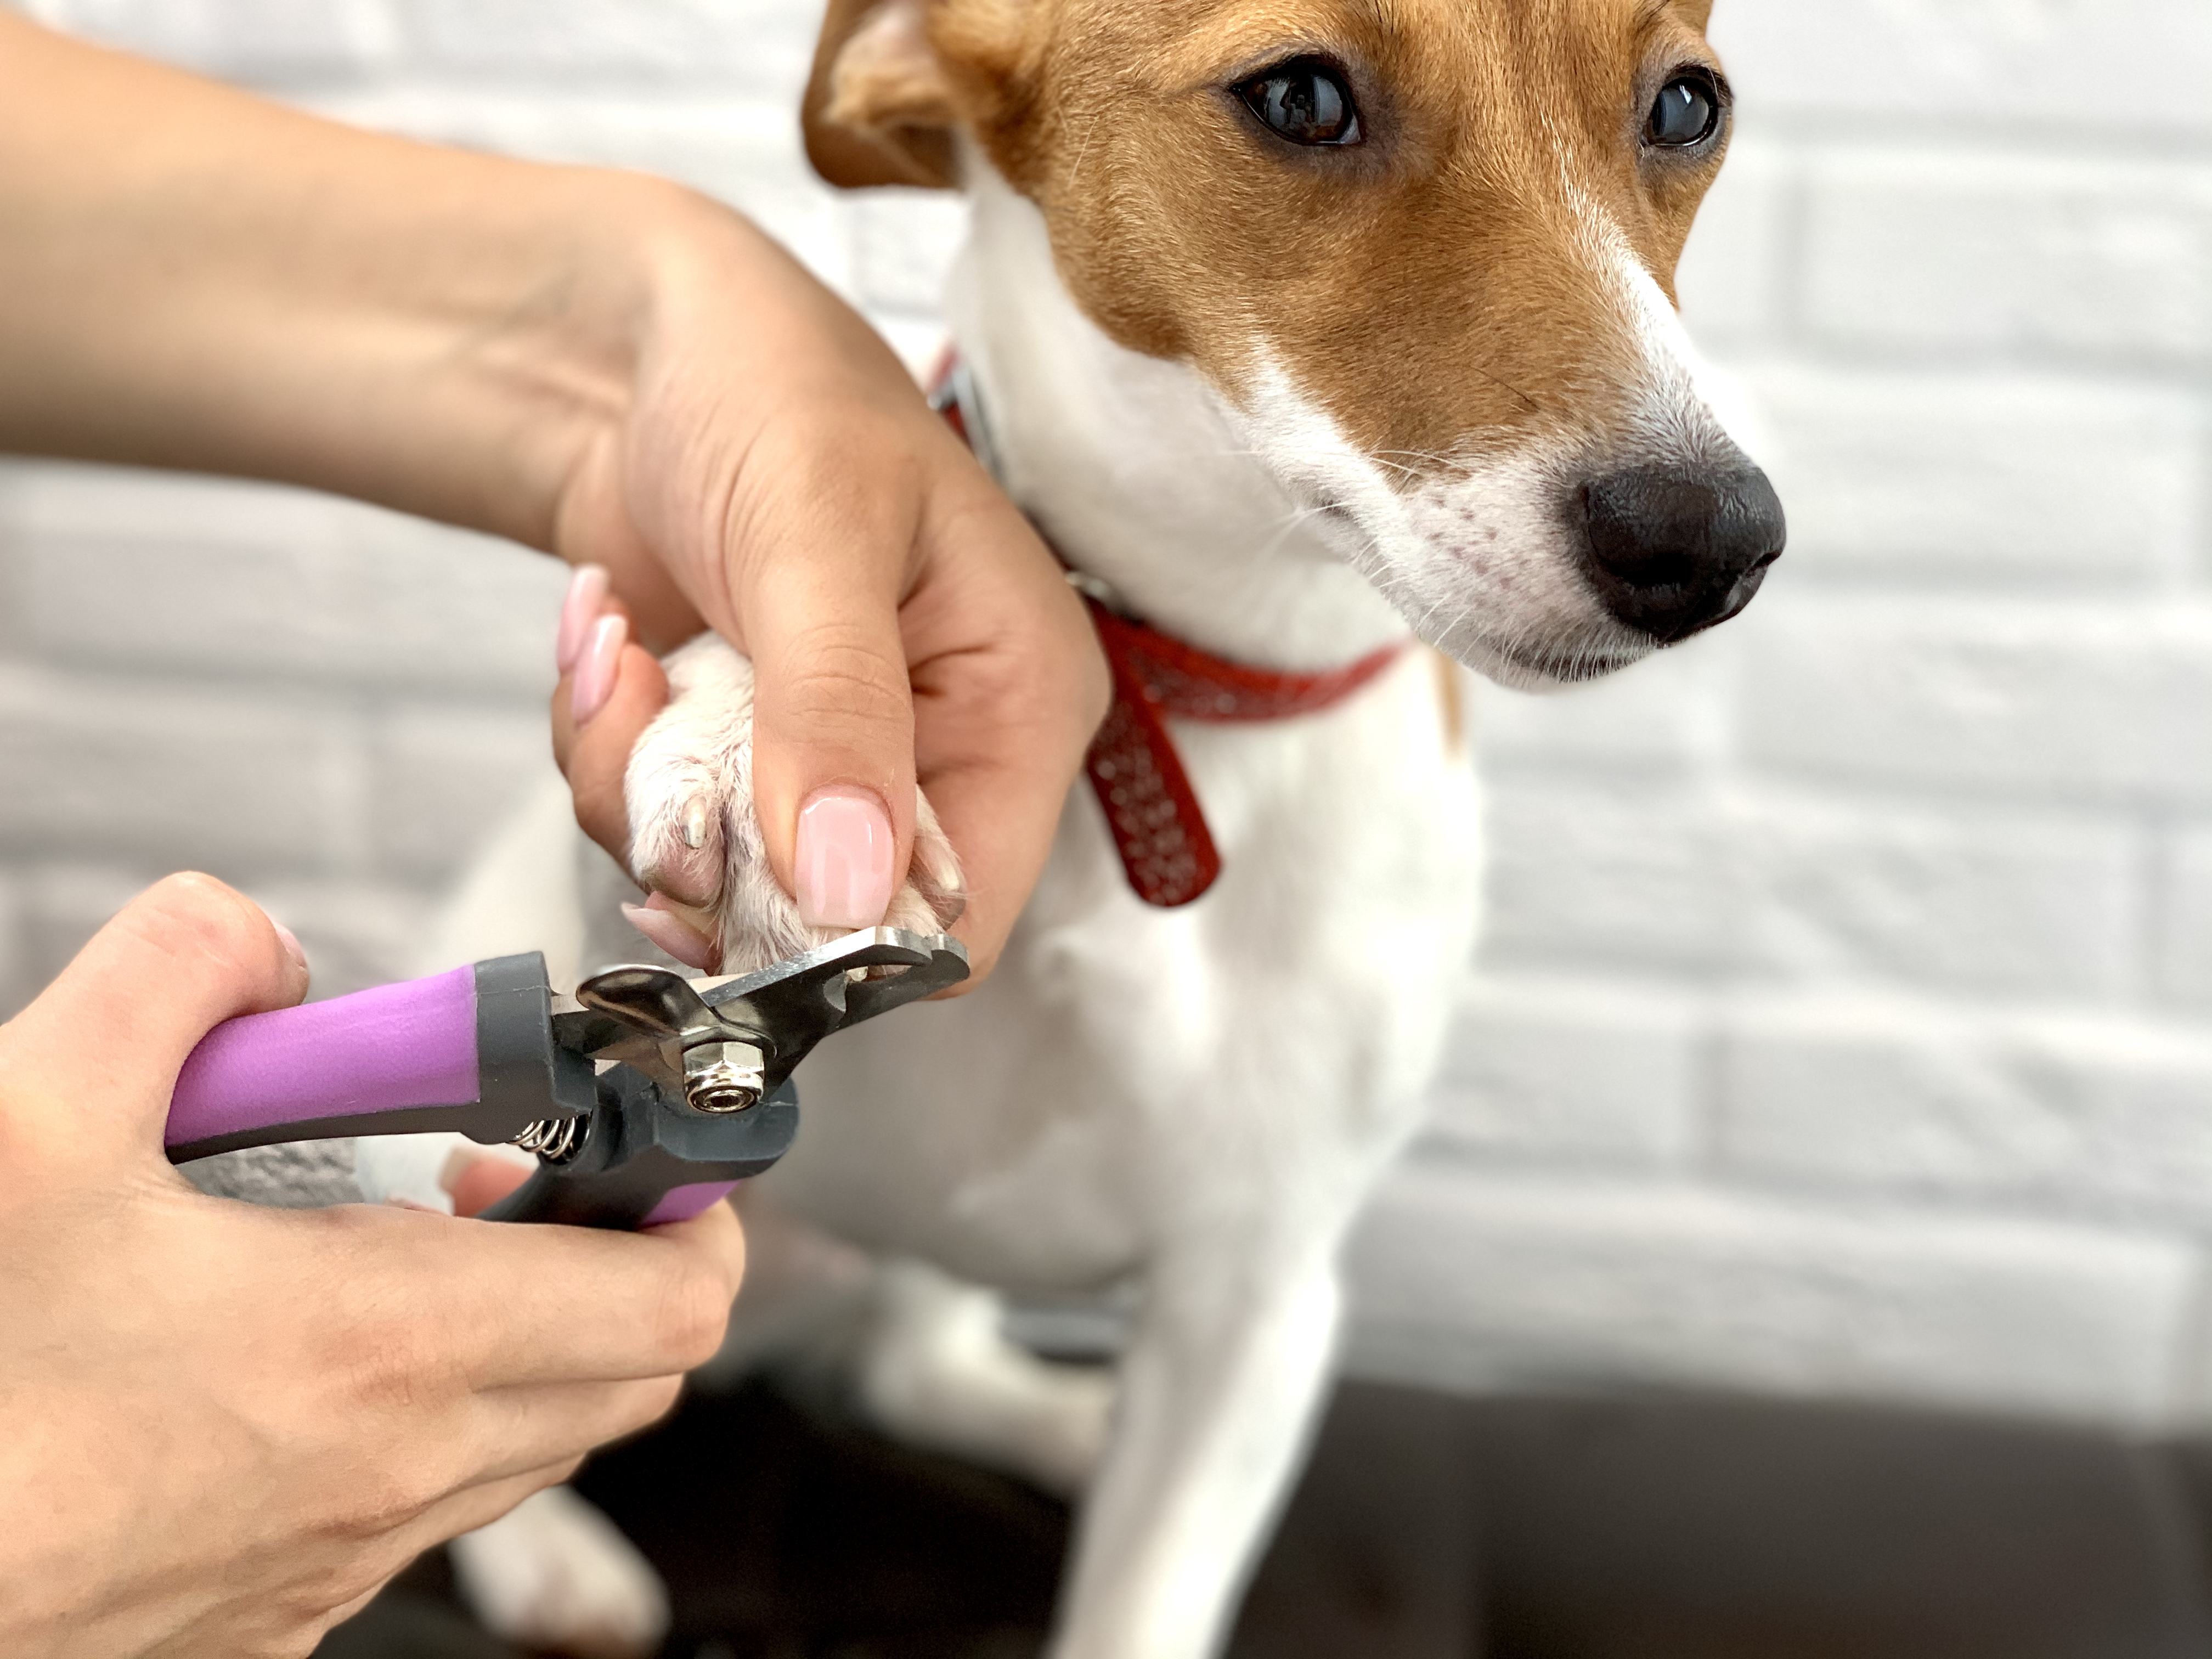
(1957, 479)
(2034, 257)
(1845, 1024)
(1478, 1280)
(2059, 69)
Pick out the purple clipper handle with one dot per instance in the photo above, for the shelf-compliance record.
(470, 1050)
(682, 1203)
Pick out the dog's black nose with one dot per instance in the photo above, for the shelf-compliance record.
(1674, 549)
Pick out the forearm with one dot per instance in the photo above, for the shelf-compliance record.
(195, 278)
(598, 364)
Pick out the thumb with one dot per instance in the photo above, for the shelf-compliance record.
(832, 733)
(101, 1048)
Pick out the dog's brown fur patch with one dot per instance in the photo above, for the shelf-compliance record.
(856, 140)
(1446, 285)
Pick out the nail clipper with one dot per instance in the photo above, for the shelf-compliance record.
(646, 1099)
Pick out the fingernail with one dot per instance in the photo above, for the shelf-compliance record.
(587, 597)
(291, 941)
(596, 668)
(844, 859)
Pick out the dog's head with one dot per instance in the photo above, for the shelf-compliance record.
(1426, 248)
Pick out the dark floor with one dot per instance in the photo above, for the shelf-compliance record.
(1434, 1528)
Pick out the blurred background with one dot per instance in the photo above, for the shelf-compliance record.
(1843, 1031)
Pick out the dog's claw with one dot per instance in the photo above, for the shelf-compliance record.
(684, 942)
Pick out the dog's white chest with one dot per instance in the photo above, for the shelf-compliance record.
(1130, 1072)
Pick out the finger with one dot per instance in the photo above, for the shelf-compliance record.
(177, 960)
(477, 1505)
(819, 563)
(339, 1614)
(593, 526)
(589, 590)
(595, 754)
(518, 1430)
(482, 1180)
(521, 1306)
(463, 1510)
(1009, 689)
(718, 1234)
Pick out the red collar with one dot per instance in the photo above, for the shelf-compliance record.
(1150, 809)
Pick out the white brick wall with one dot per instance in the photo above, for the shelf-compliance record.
(1842, 1022)
(1845, 1020)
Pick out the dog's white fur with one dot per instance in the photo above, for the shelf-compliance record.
(1193, 1103)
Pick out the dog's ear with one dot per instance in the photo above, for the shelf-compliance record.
(879, 109)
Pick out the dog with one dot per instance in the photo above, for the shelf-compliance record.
(1302, 329)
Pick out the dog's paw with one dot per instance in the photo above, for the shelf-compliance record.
(553, 1575)
(696, 842)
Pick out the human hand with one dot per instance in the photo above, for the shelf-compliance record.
(228, 1426)
(595, 363)
(777, 474)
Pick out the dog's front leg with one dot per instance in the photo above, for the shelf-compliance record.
(1218, 1387)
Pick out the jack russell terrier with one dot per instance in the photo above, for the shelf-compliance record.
(1303, 331)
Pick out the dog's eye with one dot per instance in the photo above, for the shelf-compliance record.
(1685, 113)
(1305, 101)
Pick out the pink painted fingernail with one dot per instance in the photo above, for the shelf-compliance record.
(597, 668)
(587, 597)
(844, 859)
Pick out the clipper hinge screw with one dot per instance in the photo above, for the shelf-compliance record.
(723, 1078)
